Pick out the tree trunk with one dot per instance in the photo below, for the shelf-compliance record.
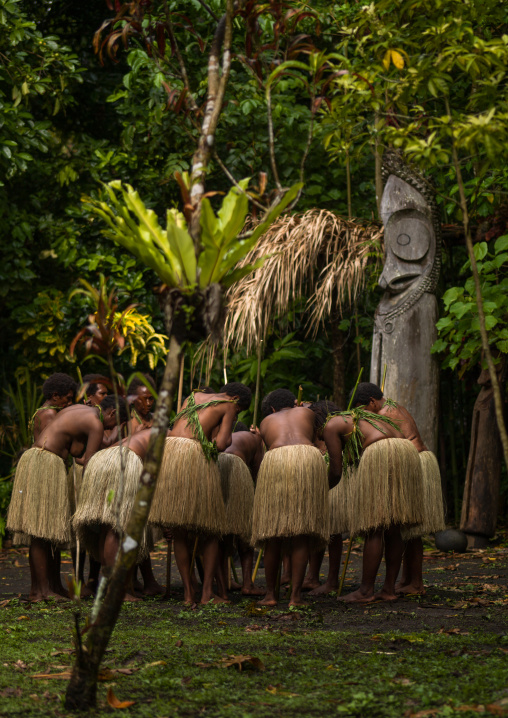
(498, 400)
(82, 688)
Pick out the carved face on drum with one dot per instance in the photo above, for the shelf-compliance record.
(410, 242)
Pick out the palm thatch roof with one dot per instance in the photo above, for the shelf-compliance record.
(318, 255)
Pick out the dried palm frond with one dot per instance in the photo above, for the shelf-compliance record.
(318, 255)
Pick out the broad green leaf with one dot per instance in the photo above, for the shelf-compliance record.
(242, 272)
(231, 216)
(460, 308)
(501, 244)
(480, 250)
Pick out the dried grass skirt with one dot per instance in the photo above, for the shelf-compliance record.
(41, 502)
(188, 492)
(387, 487)
(94, 511)
(337, 496)
(238, 494)
(291, 497)
(433, 507)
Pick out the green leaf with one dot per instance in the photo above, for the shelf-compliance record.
(501, 244)
(460, 308)
(480, 250)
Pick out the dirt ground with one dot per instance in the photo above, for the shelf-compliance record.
(464, 591)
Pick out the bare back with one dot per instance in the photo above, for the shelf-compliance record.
(249, 447)
(288, 427)
(75, 431)
(42, 418)
(337, 432)
(216, 421)
(406, 422)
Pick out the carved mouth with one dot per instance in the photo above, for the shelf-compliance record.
(399, 284)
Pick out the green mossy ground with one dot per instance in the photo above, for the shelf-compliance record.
(310, 669)
(442, 654)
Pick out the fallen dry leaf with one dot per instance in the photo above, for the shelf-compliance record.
(65, 675)
(453, 631)
(115, 703)
(11, 692)
(242, 662)
(179, 644)
(186, 680)
(5, 603)
(155, 663)
(20, 666)
(424, 714)
(279, 691)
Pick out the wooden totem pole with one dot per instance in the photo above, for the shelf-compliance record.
(405, 322)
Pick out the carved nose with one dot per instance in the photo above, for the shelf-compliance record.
(382, 282)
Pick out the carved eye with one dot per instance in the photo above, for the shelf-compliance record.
(409, 238)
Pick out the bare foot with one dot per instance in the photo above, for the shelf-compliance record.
(410, 589)
(358, 596)
(86, 592)
(385, 595)
(285, 580)
(215, 599)
(153, 589)
(235, 586)
(130, 598)
(323, 590)
(298, 602)
(267, 602)
(253, 591)
(49, 595)
(310, 584)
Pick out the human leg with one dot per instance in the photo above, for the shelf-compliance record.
(299, 558)
(372, 555)
(334, 559)
(412, 571)
(286, 570)
(394, 547)
(40, 570)
(272, 563)
(183, 558)
(151, 586)
(210, 562)
(247, 560)
(110, 542)
(311, 580)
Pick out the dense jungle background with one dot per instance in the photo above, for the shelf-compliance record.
(72, 117)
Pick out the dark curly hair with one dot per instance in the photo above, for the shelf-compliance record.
(93, 381)
(321, 410)
(109, 402)
(59, 384)
(137, 382)
(244, 394)
(277, 399)
(365, 391)
(240, 426)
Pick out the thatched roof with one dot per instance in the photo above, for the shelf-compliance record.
(318, 255)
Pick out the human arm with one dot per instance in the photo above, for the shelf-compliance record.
(94, 440)
(223, 439)
(258, 458)
(333, 443)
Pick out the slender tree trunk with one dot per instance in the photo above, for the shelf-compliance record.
(82, 689)
(498, 400)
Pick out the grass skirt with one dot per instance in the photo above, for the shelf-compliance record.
(93, 512)
(41, 502)
(433, 507)
(188, 492)
(74, 477)
(291, 497)
(338, 505)
(387, 487)
(238, 494)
